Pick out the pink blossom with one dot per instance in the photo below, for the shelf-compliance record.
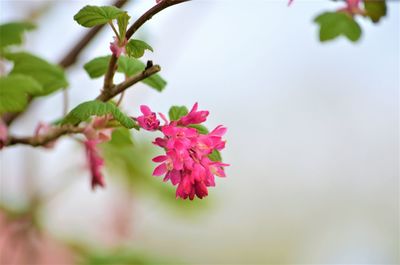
(96, 132)
(186, 162)
(290, 2)
(118, 47)
(148, 120)
(353, 4)
(3, 133)
(352, 8)
(179, 138)
(194, 116)
(95, 163)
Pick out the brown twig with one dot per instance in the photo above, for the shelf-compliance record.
(41, 140)
(109, 76)
(115, 90)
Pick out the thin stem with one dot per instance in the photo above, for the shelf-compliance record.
(114, 29)
(106, 95)
(65, 97)
(109, 76)
(122, 94)
(121, 98)
(44, 139)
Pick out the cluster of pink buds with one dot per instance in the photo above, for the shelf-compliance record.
(117, 47)
(96, 132)
(353, 8)
(186, 162)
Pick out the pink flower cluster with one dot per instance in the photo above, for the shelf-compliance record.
(96, 133)
(186, 162)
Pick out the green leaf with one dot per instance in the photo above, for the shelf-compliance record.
(85, 110)
(15, 91)
(215, 156)
(136, 48)
(123, 21)
(50, 76)
(131, 66)
(334, 24)
(176, 112)
(376, 9)
(200, 128)
(91, 16)
(98, 66)
(155, 81)
(12, 33)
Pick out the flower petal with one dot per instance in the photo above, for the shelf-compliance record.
(159, 159)
(160, 170)
(145, 110)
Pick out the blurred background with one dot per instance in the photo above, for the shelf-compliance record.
(313, 143)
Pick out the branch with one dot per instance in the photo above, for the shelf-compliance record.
(109, 76)
(41, 140)
(109, 94)
(109, 90)
(55, 133)
(69, 59)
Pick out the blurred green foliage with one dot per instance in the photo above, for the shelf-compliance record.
(376, 9)
(335, 24)
(12, 33)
